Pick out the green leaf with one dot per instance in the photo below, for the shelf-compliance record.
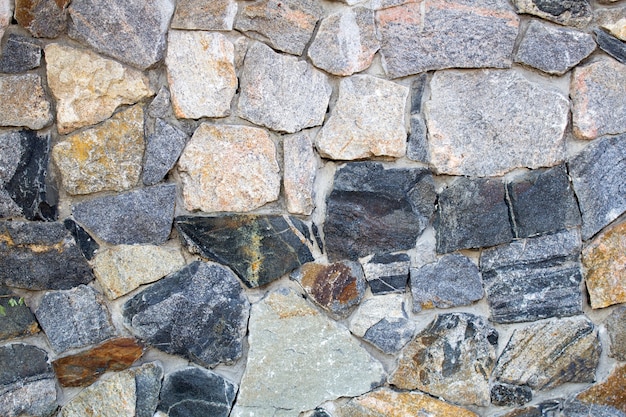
(3, 312)
(21, 301)
(12, 302)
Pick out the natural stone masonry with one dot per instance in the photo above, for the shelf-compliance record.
(611, 45)
(387, 273)
(163, 147)
(300, 166)
(23, 102)
(200, 15)
(17, 319)
(569, 12)
(20, 54)
(87, 245)
(42, 18)
(610, 392)
(6, 11)
(616, 328)
(505, 394)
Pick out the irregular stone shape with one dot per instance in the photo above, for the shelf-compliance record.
(604, 260)
(199, 312)
(39, 256)
(345, 42)
(478, 123)
(472, 213)
(372, 209)
(6, 14)
(418, 37)
(25, 175)
(616, 28)
(85, 368)
(382, 321)
(417, 145)
(611, 45)
(532, 279)
(387, 273)
(201, 73)
(16, 319)
(598, 175)
(229, 168)
(88, 88)
(163, 148)
(159, 107)
(147, 387)
(548, 408)
(19, 54)
(135, 217)
(280, 92)
(298, 358)
(597, 91)
(566, 12)
(367, 120)
(196, 392)
(452, 358)
(616, 328)
(547, 354)
(74, 318)
(542, 202)
(27, 384)
(505, 394)
(300, 167)
(128, 30)
(23, 102)
(338, 288)
(83, 240)
(259, 249)
(286, 25)
(553, 50)
(202, 15)
(42, 18)
(610, 392)
(575, 408)
(105, 158)
(454, 280)
(123, 268)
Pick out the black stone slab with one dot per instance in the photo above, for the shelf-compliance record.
(85, 242)
(20, 54)
(506, 395)
(387, 273)
(611, 45)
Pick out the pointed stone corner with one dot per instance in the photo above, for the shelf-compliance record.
(299, 358)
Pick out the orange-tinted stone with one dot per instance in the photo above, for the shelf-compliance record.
(611, 392)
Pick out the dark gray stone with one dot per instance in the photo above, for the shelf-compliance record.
(564, 12)
(160, 105)
(147, 388)
(16, 319)
(195, 392)
(199, 312)
(387, 273)
(535, 278)
(162, 151)
(417, 146)
(20, 54)
(390, 335)
(418, 86)
(372, 209)
(40, 256)
(454, 280)
(131, 31)
(505, 394)
(599, 178)
(135, 217)
(616, 328)
(472, 213)
(320, 412)
(42, 18)
(577, 408)
(74, 318)
(85, 242)
(543, 202)
(611, 45)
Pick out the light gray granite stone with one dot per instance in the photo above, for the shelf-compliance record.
(23, 102)
(204, 15)
(300, 169)
(163, 147)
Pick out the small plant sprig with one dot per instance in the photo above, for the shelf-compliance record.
(12, 303)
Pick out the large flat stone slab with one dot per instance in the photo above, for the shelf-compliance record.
(23, 102)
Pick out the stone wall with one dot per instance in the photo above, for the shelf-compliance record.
(312, 208)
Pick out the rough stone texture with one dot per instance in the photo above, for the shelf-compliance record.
(40, 256)
(107, 157)
(604, 260)
(286, 25)
(27, 384)
(123, 268)
(535, 278)
(610, 392)
(199, 312)
(83, 240)
(345, 42)
(147, 387)
(229, 168)
(553, 50)
(478, 123)
(575, 408)
(141, 216)
(300, 167)
(163, 147)
(548, 408)
(201, 73)
(387, 273)
(616, 27)
(195, 392)
(85, 368)
(599, 176)
(203, 15)
(611, 45)
(452, 358)
(542, 202)
(338, 288)
(372, 209)
(423, 36)
(88, 88)
(23, 102)
(6, 13)
(383, 322)
(42, 18)
(597, 91)
(16, 319)
(454, 280)
(367, 120)
(298, 358)
(128, 30)
(472, 213)
(616, 328)
(566, 12)
(280, 92)
(505, 394)
(259, 249)
(160, 106)
(547, 354)
(417, 145)
(19, 54)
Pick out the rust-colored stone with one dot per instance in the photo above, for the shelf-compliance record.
(611, 392)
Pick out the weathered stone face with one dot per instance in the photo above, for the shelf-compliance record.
(163, 147)
(611, 45)
(6, 11)
(610, 392)
(569, 12)
(387, 273)
(300, 167)
(202, 15)
(616, 327)
(23, 102)
(17, 320)
(20, 54)
(42, 18)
